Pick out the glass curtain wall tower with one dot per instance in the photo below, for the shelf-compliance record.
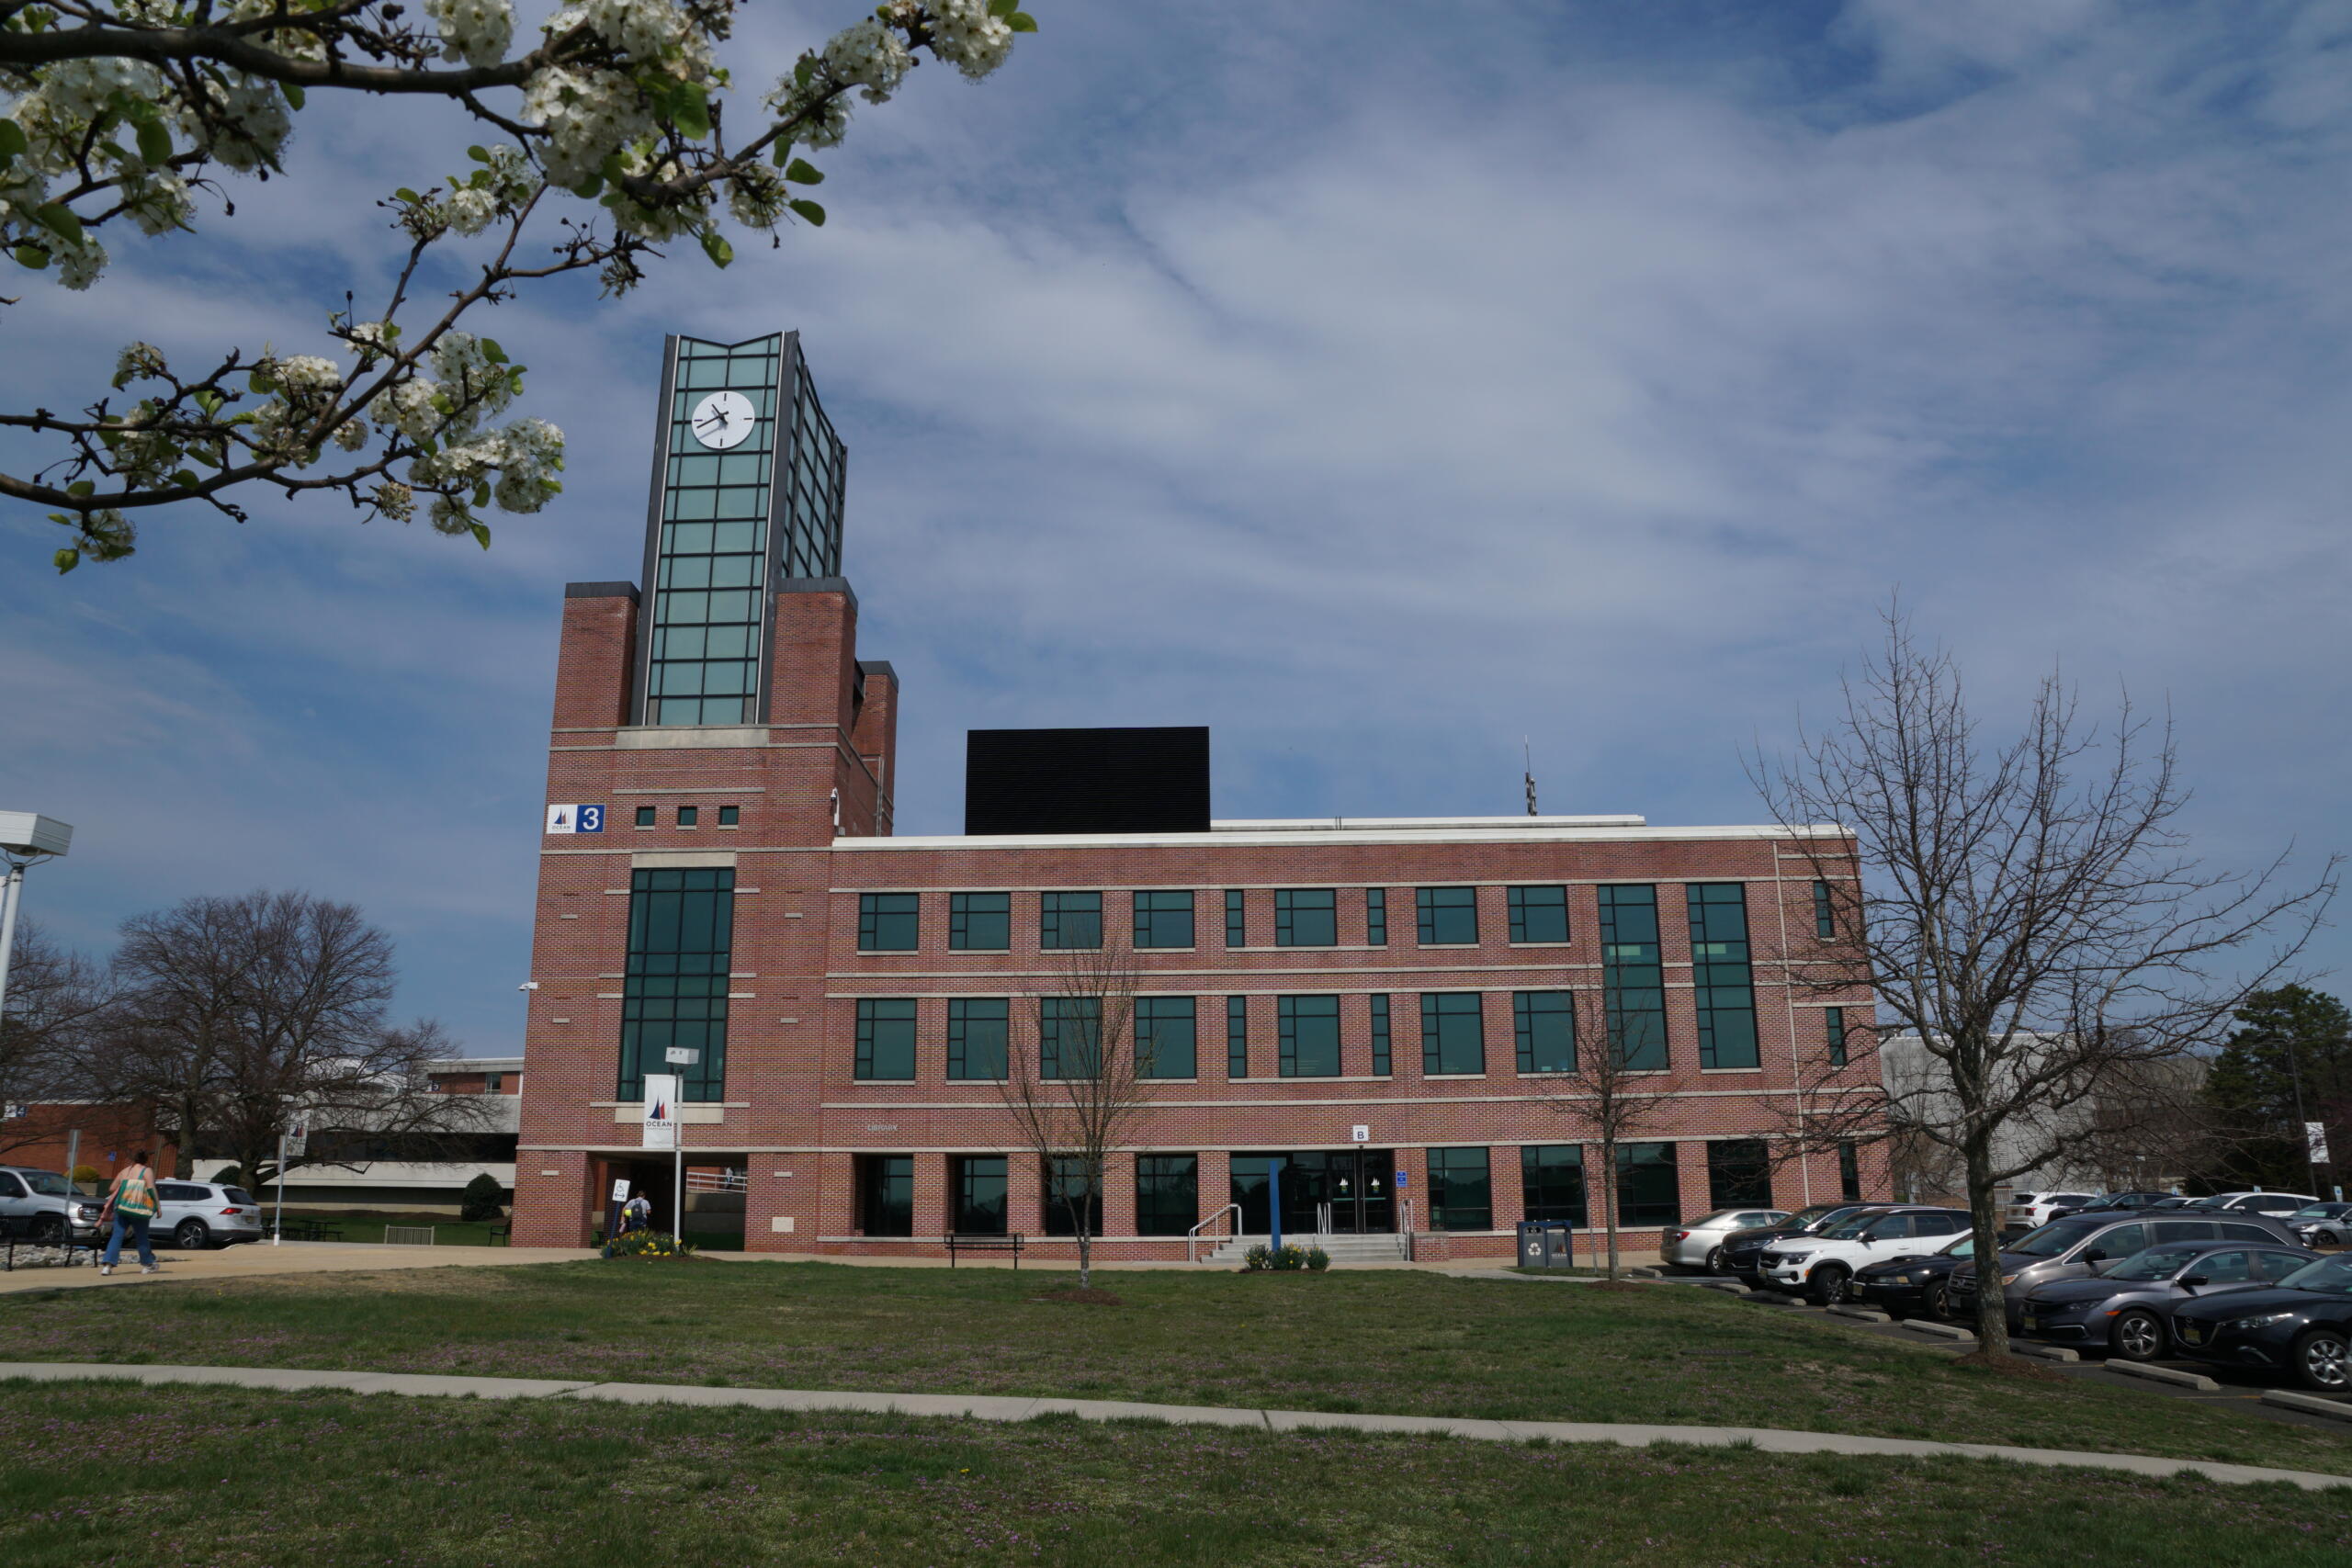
(748, 481)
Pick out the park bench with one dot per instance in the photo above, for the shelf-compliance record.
(19, 1228)
(959, 1244)
(502, 1236)
(310, 1230)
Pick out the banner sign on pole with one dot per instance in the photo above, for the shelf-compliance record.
(660, 1110)
(2315, 1136)
(298, 1139)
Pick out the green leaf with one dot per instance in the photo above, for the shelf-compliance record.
(492, 352)
(811, 211)
(714, 246)
(83, 486)
(690, 109)
(208, 399)
(804, 70)
(33, 256)
(59, 220)
(154, 142)
(404, 194)
(481, 493)
(186, 478)
(67, 559)
(589, 186)
(480, 532)
(293, 95)
(1001, 8)
(479, 153)
(11, 140)
(1022, 22)
(801, 173)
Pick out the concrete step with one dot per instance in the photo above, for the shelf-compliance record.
(1343, 1248)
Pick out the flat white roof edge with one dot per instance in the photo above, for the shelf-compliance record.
(1239, 837)
(1412, 824)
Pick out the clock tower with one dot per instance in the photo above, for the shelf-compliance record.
(746, 503)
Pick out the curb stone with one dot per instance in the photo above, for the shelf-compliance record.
(1860, 1315)
(2044, 1352)
(2308, 1404)
(2201, 1383)
(1940, 1330)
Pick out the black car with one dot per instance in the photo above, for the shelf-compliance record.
(1908, 1287)
(2302, 1327)
(2150, 1200)
(2125, 1309)
(2075, 1247)
(1741, 1250)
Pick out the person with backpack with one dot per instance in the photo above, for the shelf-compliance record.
(132, 1203)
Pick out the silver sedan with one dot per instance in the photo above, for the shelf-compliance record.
(1697, 1243)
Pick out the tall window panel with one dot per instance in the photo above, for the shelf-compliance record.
(1539, 914)
(1739, 1174)
(1375, 917)
(1723, 984)
(979, 922)
(1545, 1025)
(1306, 916)
(681, 937)
(1632, 975)
(1167, 1037)
(1168, 1194)
(1310, 1036)
(1237, 923)
(1068, 1187)
(1453, 1032)
(1825, 913)
(1069, 1036)
(1164, 919)
(1068, 922)
(885, 1194)
(1649, 1187)
(1448, 917)
(1849, 1171)
(977, 1044)
(1551, 1182)
(890, 923)
(1462, 1191)
(1380, 1065)
(1237, 1037)
(885, 1038)
(977, 1183)
(1833, 1028)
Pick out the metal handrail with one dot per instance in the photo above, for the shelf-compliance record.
(1193, 1236)
(1322, 1219)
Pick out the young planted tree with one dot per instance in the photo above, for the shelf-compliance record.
(239, 1016)
(1079, 1077)
(611, 131)
(2029, 910)
(1608, 1079)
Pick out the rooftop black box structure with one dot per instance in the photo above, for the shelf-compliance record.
(1087, 781)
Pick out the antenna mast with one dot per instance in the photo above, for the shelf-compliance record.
(1528, 750)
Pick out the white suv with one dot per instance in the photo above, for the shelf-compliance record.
(2031, 1211)
(198, 1214)
(1820, 1266)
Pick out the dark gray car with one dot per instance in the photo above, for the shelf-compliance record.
(2069, 1248)
(2127, 1309)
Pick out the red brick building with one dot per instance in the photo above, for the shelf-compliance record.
(1378, 1007)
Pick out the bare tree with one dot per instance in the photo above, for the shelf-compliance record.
(239, 1016)
(55, 998)
(2027, 910)
(1610, 1089)
(1078, 1078)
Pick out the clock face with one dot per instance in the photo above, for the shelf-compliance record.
(724, 420)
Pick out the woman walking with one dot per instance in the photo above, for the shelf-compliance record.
(130, 1203)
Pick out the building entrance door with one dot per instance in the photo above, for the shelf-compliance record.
(1350, 1189)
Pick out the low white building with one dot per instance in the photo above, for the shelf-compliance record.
(418, 1173)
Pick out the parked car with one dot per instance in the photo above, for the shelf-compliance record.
(2321, 1225)
(1821, 1265)
(2070, 1247)
(2302, 1326)
(2030, 1211)
(2125, 1309)
(1742, 1248)
(2256, 1203)
(1910, 1285)
(2130, 1201)
(196, 1214)
(43, 1207)
(1699, 1244)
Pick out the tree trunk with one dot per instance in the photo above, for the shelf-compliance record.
(1992, 1308)
(1609, 1198)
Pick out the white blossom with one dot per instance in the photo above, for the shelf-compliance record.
(394, 500)
(78, 266)
(757, 197)
(302, 376)
(868, 55)
(408, 408)
(256, 123)
(967, 37)
(476, 31)
(137, 363)
(352, 434)
(588, 114)
(471, 210)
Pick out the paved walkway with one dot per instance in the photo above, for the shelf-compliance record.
(999, 1408)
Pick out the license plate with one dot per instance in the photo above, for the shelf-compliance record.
(2193, 1333)
(2031, 1325)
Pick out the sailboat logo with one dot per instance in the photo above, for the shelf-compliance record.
(661, 1111)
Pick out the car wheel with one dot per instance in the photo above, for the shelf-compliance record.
(2136, 1336)
(192, 1235)
(1714, 1260)
(1829, 1285)
(50, 1230)
(2324, 1362)
(2325, 1239)
(1937, 1298)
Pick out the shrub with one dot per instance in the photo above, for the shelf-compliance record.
(483, 1199)
(1290, 1259)
(1318, 1259)
(1257, 1259)
(87, 1176)
(648, 1244)
(227, 1176)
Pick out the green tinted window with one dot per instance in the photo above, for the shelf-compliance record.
(1721, 985)
(1539, 914)
(1632, 975)
(1310, 1036)
(681, 937)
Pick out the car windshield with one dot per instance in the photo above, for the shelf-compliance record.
(2054, 1238)
(1720, 1217)
(1847, 1229)
(1964, 1247)
(2331, 1276)
(48, 1183)
(1813, 1214)
(2157, 1263)
(2317, 1211)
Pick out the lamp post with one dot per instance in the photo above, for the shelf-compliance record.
(25, 837)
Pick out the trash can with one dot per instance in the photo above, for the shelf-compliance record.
(1559, 1245)
(1534, 1247)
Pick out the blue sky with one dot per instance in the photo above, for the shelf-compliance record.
(1377, 384)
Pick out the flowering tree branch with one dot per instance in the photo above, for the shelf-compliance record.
(128, 110)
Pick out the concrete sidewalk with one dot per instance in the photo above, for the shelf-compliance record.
(1002, 1408)
(247, 1260)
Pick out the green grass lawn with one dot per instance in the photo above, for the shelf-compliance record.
(1364, 1340)
(228, 1478)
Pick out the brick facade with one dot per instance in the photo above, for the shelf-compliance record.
(813, 788)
